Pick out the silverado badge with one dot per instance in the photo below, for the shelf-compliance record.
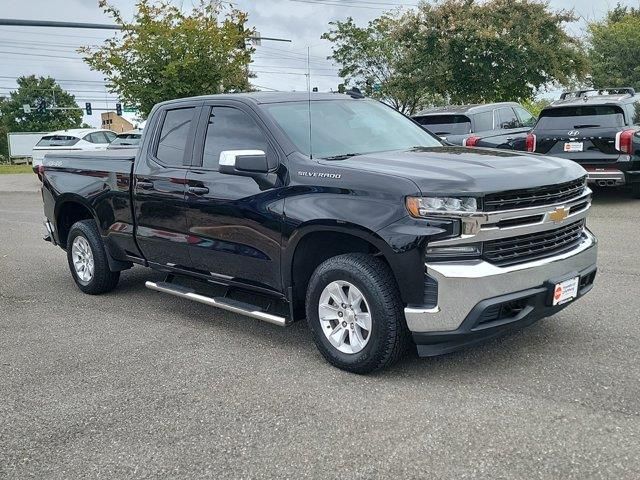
(559, 214)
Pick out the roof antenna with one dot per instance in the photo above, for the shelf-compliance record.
(309, 101)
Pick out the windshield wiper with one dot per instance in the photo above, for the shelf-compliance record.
(342, 156)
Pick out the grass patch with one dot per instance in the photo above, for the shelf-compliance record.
(15, 169)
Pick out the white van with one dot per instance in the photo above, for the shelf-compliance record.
(73, 139)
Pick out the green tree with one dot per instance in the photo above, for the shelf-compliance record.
(536, 106)
(460, 51)
(489, 51)
(34, 91)
(371, 60)
(165, 53)
(615, 47)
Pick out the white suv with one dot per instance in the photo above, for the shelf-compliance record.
(74, 139)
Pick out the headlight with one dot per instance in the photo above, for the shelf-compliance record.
(423, 206)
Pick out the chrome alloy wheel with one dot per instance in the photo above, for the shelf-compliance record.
(345, 316)
(82, 259)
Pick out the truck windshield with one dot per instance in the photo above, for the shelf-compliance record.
(348, 127)
(446, 124)
(567, 118)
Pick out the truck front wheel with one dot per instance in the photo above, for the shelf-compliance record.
(88, 259)
(355, 313)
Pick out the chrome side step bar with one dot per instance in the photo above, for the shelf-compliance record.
(218, 302)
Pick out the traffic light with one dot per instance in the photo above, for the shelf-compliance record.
(42, 105)
(87, 108)
(119, 109)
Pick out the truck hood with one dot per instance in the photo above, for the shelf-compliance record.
(455, 170)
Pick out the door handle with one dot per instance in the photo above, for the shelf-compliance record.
(144, 185)
(198, 190)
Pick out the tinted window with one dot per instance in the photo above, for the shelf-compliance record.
(587, 116)
(446, 124)
(127, 139)
(57, 141)
(343, 127)
(484, 121)
(231, 129)
(97, 137)
(634, 112)
(526, 119)
(507, 118)
(111, 136)
(173, 136)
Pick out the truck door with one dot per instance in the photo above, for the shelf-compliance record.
(159, 187)
(234, 220)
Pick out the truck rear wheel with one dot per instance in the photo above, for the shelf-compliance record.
(355, 313)
(88, 259)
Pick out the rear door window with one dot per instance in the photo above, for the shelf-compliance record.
(127, 139)
(97, 137)
(483, 121)
(584, 116)
(446, 124)
(57, 141)
(526, 119)
(174, 135)
(507, 118)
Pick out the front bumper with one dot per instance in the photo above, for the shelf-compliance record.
(468, 289)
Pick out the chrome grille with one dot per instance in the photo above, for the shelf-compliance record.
(548, 195)
(523, 248)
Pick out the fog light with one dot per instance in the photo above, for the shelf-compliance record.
(470, 250)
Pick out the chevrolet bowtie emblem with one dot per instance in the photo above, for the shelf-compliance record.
(559, 214)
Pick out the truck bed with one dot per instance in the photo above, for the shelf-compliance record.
(100, 180)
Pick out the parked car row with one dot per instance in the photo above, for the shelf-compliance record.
(495, 125)
(599, 129)
(82, 139)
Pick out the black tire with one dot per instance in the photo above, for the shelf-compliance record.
(103, 279)
(389, 336)
(635, 190)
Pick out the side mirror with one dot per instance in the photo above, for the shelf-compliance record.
(244, 162)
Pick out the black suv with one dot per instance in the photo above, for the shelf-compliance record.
(597, 129)
(497, 125)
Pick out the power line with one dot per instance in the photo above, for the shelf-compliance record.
(294, 73)
(349, 4)
(39, 55)
(294, 68)
(50, 34)
(99, 26)
(57, 80)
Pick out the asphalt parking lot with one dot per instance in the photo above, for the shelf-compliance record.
(139, 384)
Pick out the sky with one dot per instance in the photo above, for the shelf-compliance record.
(278, 65)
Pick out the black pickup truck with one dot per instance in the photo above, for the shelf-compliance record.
(333, 208)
